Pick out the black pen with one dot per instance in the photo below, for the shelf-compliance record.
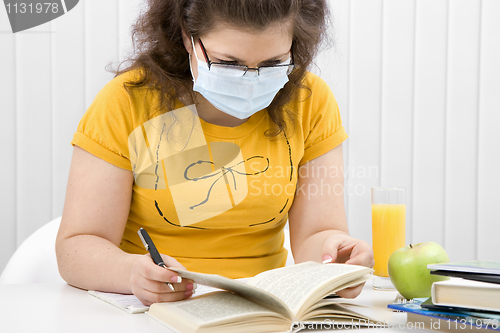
(155, 255)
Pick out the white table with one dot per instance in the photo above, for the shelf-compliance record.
(61, 308)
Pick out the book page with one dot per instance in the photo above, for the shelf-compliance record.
(215, 310)
(458, 283)
(202, 290)
(255, 295)
(220, 306)
(294, 285)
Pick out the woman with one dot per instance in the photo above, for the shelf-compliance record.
(210, 139)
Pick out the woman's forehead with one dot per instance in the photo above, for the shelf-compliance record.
(241, 43)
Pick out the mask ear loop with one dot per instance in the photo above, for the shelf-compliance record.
(195, 95)
(189, 55)
(194, 47)
(196, 54)
(197, 59)
(191, 67)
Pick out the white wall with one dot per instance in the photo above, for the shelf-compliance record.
(417, 82)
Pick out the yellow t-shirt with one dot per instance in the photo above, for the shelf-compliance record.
(215, 198)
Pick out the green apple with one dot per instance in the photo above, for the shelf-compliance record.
(408, 268)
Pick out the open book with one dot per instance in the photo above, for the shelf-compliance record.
(273, 301)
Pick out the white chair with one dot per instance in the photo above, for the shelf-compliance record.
(35, 260)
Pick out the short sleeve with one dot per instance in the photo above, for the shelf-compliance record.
(321, 122)
(104, 129)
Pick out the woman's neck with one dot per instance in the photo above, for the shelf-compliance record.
(212, 115)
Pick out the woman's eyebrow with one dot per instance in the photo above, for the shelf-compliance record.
(232, 58)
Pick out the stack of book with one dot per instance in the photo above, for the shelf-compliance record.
(470, 300)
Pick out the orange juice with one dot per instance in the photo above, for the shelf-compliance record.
(388, 233)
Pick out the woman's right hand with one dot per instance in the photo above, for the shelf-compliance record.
(149, 281)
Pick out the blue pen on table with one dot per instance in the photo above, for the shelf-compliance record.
(155, 255)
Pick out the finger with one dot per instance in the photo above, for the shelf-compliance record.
(362, 259)
(151, 271)
(147, 297)
(163, 287)
(172, 262)
(362, 254)
(330, 248)
(351, 292)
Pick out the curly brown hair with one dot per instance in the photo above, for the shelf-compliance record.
(160, 53)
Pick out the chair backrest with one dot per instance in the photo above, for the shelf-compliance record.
(35, 260)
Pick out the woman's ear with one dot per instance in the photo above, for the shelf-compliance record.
(186, 39)
(193, 61)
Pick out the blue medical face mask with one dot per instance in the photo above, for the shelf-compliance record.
(238, 96)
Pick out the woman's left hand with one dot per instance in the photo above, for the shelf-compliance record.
(342, 248)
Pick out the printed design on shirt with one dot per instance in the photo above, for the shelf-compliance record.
(158, 157)
(289, 156)
(290, 179)
(171, 223)
(233, 171)
(271, 220)
(205, 179)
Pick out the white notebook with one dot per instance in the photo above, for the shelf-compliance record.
(132, 304)
(129, 303)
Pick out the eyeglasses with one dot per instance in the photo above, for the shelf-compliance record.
(241, 70)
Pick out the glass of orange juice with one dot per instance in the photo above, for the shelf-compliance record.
(388, 230)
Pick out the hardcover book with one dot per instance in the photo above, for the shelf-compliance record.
(467, 294)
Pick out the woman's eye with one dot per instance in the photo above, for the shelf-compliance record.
(274, 62)
(227, 62)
